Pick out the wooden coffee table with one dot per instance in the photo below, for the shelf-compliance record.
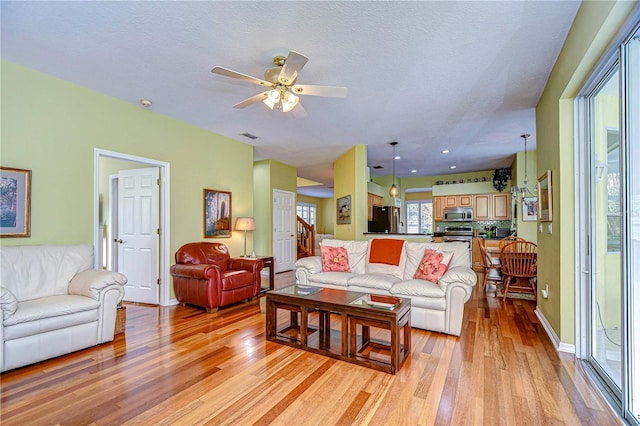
(344, 344)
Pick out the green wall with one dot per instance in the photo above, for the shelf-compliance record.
(324, 215)
(268, 175)
(52, 128)
(592, 32)
(350, 179)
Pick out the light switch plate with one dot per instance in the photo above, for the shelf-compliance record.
(549, 228)
(540, 227)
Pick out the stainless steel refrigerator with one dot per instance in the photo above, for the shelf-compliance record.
(385, 219)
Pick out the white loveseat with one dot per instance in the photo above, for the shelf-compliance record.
(52, 302)
(437, 307)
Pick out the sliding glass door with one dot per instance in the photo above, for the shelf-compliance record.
(605, 307)
(609, 198)
(631, 61)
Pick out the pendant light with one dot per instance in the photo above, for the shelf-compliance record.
(394, 191)
(523, 191)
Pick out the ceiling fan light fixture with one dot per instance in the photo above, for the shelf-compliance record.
(272, 99)
(289, 101)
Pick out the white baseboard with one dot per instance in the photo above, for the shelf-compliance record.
(560, 346)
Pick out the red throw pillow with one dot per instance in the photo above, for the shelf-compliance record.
(334, 259)
(433, 265)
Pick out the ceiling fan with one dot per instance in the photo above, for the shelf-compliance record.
(281, 81)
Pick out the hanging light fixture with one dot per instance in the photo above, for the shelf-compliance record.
(281, 99)
(394, 191)
(523, 191)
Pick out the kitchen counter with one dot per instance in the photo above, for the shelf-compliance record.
(396, 233)
(422, 238)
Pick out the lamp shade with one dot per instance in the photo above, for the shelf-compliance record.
(245, 224)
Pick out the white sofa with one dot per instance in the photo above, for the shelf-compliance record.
(437, 307)
(52, 302)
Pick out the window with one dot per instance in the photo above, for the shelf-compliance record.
(419, 217)
(307, 212)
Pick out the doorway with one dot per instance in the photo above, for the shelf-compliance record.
(107, 163)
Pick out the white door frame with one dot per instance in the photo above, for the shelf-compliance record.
(165, 257)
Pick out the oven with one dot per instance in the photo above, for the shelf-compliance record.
(459, 234)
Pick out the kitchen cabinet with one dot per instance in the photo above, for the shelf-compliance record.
(438, 209)
(492, 206)
(373, 200)
(453, 201)
(501, 206)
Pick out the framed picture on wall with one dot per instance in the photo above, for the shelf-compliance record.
(217, 214)
(15, 202)
(529, 209)
(343, 213)
(545, 197)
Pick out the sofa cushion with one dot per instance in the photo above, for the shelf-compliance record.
(50, 306)
(335, 278)
(379, 281)
(31, 272)
(8, 302)
(334, 259)
(420, 288)
(433, 265)
(356, 251)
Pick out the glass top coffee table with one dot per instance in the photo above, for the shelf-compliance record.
(357, 313)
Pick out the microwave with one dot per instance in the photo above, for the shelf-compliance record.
(458, 215)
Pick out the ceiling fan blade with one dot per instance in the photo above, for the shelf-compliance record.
(291, 68)
(252, 100)
(311, 90)
(299, 111)
(244, 77)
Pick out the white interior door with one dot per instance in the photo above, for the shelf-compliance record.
(138, 233)
(284, 230)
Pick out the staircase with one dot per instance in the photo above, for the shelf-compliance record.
(306, 239)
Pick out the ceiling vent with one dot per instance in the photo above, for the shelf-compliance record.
(249, 135)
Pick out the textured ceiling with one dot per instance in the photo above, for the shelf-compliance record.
(463, 76)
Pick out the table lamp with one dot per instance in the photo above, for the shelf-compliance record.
(245, 224)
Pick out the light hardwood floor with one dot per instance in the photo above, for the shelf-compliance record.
(177, 365)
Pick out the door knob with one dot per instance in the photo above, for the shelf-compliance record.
(118, 240)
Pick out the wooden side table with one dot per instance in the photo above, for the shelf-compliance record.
(268, 263)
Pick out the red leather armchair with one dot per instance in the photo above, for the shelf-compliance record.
(206, 275)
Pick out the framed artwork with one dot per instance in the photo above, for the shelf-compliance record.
(217, 214)
(545, 208)
(529, 209)
(344, 210)
(15, 202)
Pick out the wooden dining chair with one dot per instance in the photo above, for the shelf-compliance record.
(508, 240)
(519, 262)
(491, 267)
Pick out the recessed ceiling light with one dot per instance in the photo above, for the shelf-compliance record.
(445, 151)
(145, 102)
(397, 157)
(413, 171)
(452, 167)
